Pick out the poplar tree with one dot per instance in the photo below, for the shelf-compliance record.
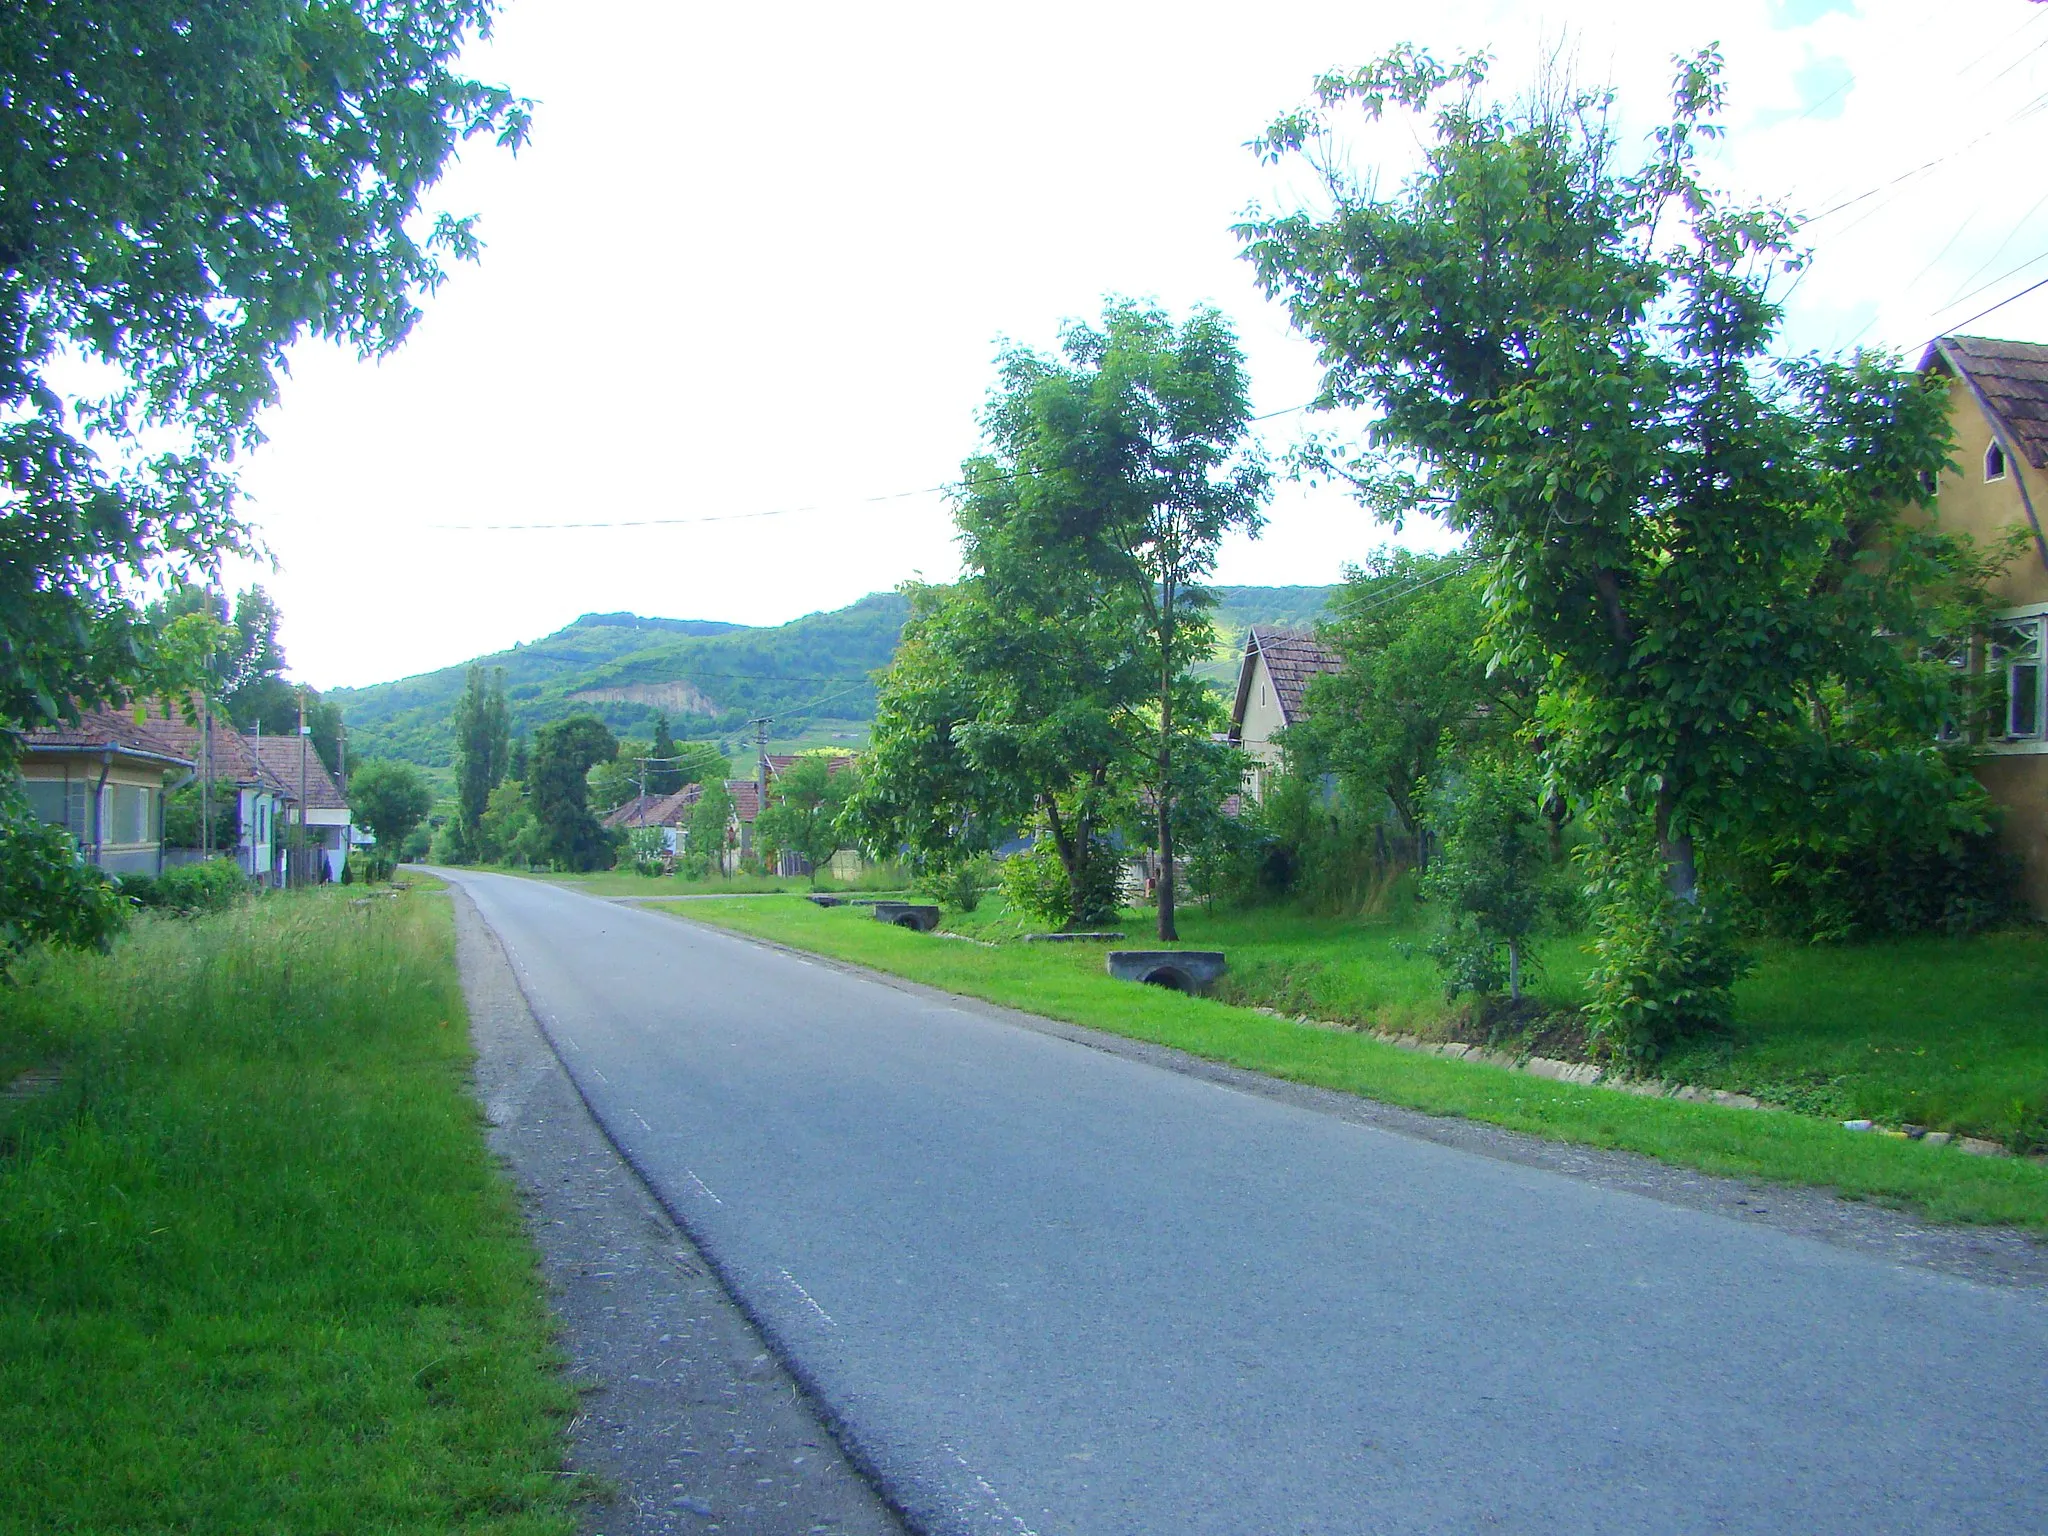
(483, 745)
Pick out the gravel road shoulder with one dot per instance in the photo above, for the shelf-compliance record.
(687, 1417)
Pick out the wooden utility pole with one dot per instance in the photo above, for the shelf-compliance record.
(305, 731)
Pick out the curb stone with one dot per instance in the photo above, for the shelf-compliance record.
(1586, 1074)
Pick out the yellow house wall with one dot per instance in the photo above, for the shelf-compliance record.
(113, 853)
(2019, 782)
(1988, 511)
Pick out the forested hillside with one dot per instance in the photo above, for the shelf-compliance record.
(709, 677)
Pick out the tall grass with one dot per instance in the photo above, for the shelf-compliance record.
(257, 1272)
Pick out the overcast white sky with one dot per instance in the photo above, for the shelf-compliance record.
(758, 258)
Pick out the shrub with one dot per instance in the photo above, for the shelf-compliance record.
(1888, 842)
(187, 889)
(1487, 887)
(48, 894)
(1664, 969)
(1036, 882)
(960, 883)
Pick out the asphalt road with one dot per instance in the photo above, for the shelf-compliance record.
(1043, 1288)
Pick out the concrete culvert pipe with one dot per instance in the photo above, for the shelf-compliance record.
(1193, 971)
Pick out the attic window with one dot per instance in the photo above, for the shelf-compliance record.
(1994, 462)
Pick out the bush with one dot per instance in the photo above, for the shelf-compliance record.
(959, 884)
(451, 843)
(1310, 843)
(1036, 882)
(1488, 886)
(47, 893)
(1664, 969)
(187, 889)
(646, 848)
(1890, 842)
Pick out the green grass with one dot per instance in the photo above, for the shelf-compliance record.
(1362, 966)
(1947, 1033)
(623, 882)
(257, 1270)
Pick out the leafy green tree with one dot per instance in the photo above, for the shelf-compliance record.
(185, 809)
(1487, 887)
(1414, 682)
(390, 798)
(1128, 456)
(483, 731)
(1016, 699)
(563, 755)
(189, 191)
(508, 833)
(710, 831)
(619, 779)
(805, 812)
(243, 670)
(1567, 360)
(663, 777)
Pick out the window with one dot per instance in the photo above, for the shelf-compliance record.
(128, 821)
(1994, 463)
(2014, 650)
(46, 800)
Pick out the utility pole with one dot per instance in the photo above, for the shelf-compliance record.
(205, 778)
(760, 725)
(305, 731)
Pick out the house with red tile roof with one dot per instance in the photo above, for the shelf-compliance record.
(320, 810)
(222, 755)
(103, 779)
(1998, 413)
(1272, 681)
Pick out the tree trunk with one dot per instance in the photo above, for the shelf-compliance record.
(1681, 869)
(1553, 816)
(1072, 852)
(1168, 932)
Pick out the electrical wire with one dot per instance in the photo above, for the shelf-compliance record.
(1950, 330)
(738, 517)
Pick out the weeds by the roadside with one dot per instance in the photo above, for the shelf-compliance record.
(257, 1272)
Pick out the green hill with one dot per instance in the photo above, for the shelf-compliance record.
(710, 677)
(812, 674)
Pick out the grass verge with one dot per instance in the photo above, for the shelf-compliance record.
(257, 1270)
(624, 882)
(1066, 981)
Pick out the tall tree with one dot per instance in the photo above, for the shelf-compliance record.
(1017, 698)
(711, 823)
(1415, 679)
(1130, 454)
(189, 191)
(391, 799)
(804, 813)
(1567, 358)
(663, 777)
(483, 732)
(563, 755)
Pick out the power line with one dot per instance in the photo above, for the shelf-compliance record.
(739, 517)
(1949, 330)
(2031, 107)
